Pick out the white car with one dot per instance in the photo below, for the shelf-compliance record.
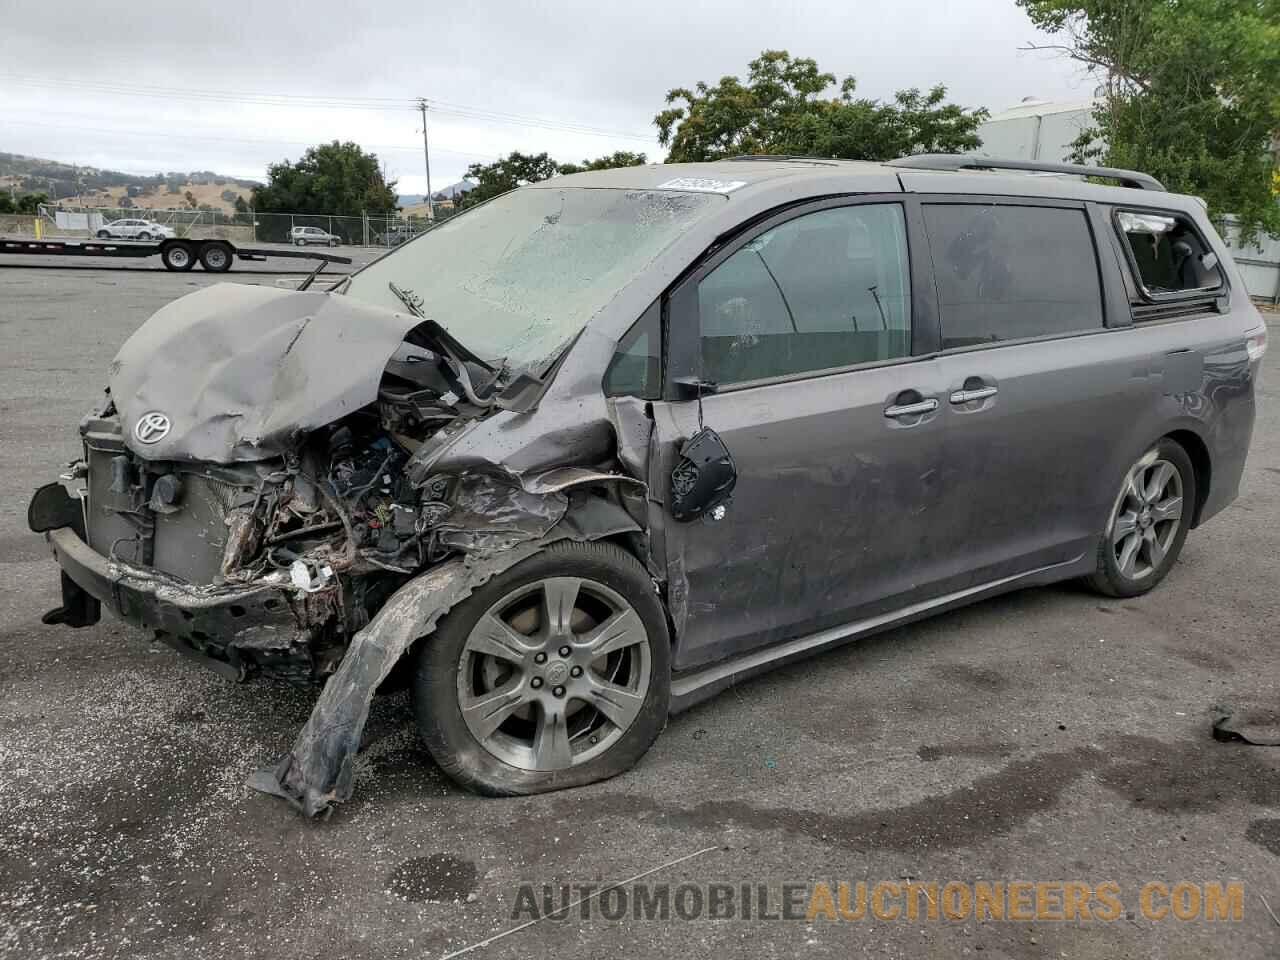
(135, 230)
(301, 236)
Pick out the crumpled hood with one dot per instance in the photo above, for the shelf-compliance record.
(241, 371)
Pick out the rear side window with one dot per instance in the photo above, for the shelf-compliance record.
(1167, 255)
(825, 290)
(1009, 272)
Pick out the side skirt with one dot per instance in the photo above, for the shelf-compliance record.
(692, 688)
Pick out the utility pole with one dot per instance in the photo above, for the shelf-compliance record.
(426, 156)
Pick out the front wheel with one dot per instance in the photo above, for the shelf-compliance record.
(554, 674)
(144, 235)
(1148, 523)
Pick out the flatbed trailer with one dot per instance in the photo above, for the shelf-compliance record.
(176, 253)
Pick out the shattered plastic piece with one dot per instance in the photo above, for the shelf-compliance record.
(300, 575)
(1260, 727)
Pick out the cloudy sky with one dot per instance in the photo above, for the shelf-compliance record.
(145, 86)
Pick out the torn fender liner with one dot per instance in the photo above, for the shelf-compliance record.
(240, 371)
(318, 771)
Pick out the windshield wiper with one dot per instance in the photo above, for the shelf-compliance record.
(311, 278)
(412, 302)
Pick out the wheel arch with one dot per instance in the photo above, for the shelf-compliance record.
(1198, 453)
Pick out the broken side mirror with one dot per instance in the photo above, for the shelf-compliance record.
(703, 477)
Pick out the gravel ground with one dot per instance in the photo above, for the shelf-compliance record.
(1046, 735)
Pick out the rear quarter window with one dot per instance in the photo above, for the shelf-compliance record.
(1006, 272)
(1167, 255)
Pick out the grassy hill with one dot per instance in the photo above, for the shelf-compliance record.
(97, 187)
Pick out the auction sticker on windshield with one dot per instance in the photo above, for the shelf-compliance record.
(702, 184)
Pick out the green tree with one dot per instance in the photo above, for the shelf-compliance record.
(1191, 93)
(620, 158)
(783, 109)
(338, 179)
(30, 202)
(507, 173)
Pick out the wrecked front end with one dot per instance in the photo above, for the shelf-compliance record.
(299, 486)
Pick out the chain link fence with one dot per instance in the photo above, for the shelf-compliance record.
(244, 229)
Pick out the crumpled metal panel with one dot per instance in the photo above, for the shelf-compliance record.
(242, 371)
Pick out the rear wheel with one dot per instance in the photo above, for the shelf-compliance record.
(177, 257)
(215, 257)
(104, 235)
(144, 235)
(300, 242)
(554, 674)
(1148, 523)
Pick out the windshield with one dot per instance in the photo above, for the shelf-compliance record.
(514, 279)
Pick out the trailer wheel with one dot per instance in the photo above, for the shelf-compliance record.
(177, 257)
(215, 257)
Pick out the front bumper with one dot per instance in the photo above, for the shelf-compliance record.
(231, 628)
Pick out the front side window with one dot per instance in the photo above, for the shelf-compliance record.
(1167, 254)
(1010, 272)
(826, 290)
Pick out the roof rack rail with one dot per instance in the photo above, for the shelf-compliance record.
(783, 156)
(955, 161)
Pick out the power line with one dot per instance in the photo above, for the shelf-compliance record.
(389, 148)
(382, 104)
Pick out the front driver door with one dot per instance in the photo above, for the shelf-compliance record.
(815, 330)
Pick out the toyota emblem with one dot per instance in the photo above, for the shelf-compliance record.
(151, 427)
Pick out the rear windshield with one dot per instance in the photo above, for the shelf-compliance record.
(516, 278)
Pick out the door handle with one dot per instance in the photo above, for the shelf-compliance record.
(911, 409)
(978, 393)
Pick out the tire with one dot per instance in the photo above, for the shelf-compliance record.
(144, 235)
(333, 243)
(301, 243)
(178, 257)
(216, 257)
(521, 754)
(104, 234)
(1159, 485)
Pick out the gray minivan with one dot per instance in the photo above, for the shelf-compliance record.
(600, 447)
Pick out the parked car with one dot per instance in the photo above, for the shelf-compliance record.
(301, 236)
(590, 452)
(131, 229)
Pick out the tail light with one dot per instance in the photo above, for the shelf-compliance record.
(1256, 344)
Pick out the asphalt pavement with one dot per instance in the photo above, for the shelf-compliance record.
(1047, 736)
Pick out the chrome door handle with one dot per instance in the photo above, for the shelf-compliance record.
(980, 393)
(911, 409)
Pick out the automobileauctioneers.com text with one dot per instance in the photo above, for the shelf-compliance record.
(885, 900)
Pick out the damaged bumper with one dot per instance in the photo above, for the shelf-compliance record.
(228, 628)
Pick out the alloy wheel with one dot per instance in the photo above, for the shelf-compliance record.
(1147, 517)
(554, 673)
